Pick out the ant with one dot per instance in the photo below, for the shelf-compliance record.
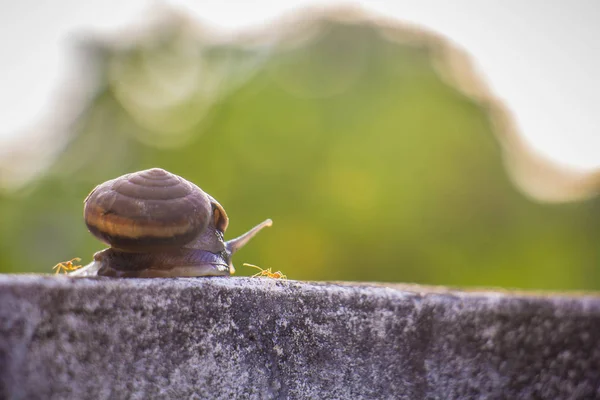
(266, 272)
(67, 266)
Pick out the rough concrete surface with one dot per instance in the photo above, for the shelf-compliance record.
(238, 338)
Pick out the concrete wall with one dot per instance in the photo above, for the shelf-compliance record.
(227, 338)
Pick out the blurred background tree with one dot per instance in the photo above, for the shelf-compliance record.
(350, 134)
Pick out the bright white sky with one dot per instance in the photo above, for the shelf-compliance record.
(541, 57)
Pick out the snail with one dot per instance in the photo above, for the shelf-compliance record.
(158, 224)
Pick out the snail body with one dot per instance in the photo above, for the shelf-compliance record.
(158, 224)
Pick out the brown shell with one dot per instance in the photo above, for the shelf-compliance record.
(151, 210)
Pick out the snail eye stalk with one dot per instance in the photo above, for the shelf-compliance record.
(234, 245)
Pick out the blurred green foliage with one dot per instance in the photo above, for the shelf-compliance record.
(370, 165)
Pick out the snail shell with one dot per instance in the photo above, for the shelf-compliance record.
(149, 211)
(159, 224)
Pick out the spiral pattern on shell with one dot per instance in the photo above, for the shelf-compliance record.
(145, 211)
